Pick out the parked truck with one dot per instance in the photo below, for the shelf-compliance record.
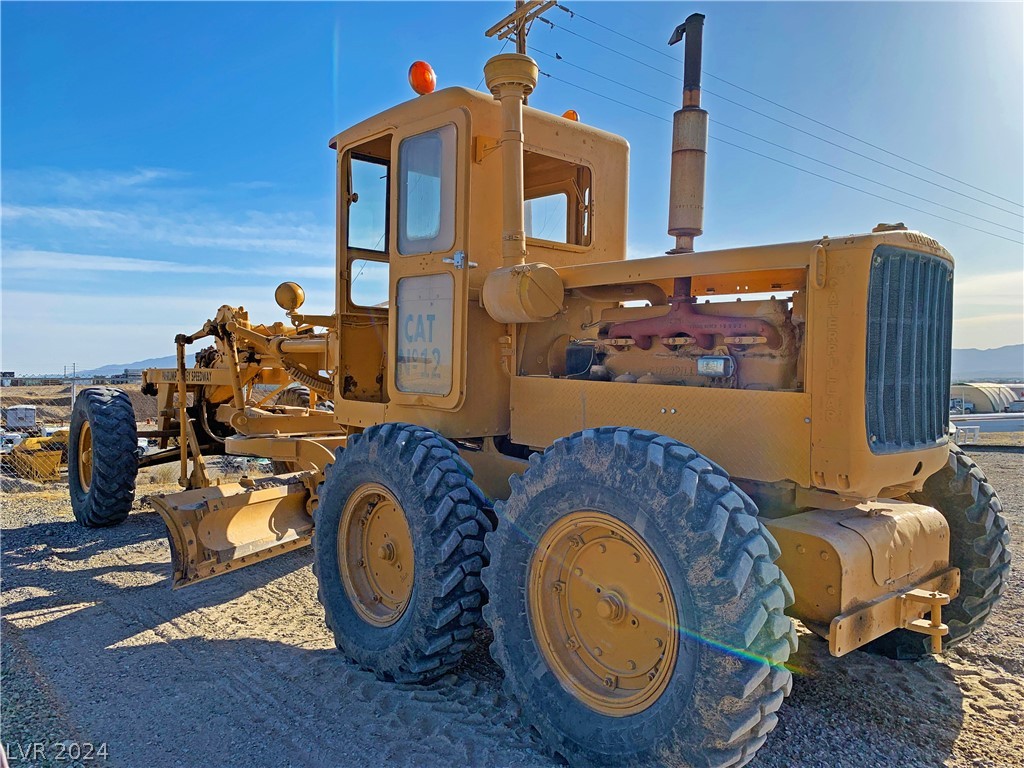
(634, 483)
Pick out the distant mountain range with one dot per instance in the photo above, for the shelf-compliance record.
(968, 364)
(984, 364)
(170, 361)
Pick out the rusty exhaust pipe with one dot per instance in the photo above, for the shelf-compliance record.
(689, 143)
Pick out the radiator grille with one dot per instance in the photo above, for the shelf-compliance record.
(910, 316)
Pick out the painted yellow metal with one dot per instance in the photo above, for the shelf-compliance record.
(472, 341)
(40, 465)
(311, 453)
(492, 468)
(375, 555)
(41, 458)
(759, 435)
(849, 567)
(221, 528)
(918, 609)
(526, 293)
(604, 613)
(85, 456)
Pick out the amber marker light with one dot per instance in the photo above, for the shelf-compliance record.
(422, 78)
(571, 114)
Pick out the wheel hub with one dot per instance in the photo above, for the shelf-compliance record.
(85, 456)
(603, 612)
(375, 555)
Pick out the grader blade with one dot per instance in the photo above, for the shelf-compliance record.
(222, 528)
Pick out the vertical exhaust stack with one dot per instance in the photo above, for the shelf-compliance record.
(511, 77)
(689, 144)
(517, 292)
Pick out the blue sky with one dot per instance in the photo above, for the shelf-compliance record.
(159, 160)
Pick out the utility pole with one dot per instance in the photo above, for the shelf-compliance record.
(517, 24)
(520, 31)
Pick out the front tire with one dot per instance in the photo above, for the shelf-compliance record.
(579, 632)
(102, 457)
(399, 546)
(979, 547)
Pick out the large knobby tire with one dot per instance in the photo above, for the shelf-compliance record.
(979, 547)
(717, 700)
(103, 460)
(419, 473)
(296, 395)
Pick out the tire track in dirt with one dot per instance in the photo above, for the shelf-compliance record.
(246, 655)
(241, 670)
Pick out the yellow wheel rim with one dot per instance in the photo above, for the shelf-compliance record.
(85, 456)
(375, 555)
(603, 613)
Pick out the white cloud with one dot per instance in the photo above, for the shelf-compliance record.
(46, 262)
(52, 182)
(284, 234)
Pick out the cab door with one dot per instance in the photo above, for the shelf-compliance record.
(429, 263)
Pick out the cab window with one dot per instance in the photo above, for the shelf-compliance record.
(557, 196)
(368, 209)
(426, 192)
(366, 195)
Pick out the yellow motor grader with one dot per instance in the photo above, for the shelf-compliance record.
(633, 471)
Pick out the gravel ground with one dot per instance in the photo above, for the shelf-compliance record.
(241, 671)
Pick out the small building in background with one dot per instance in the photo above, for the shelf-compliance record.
(129, 376)
(986, 398)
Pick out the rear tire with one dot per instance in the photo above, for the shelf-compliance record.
(979, 547)
(420, 635)
(665, 506)
(102, 457)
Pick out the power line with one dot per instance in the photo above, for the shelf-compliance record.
(559, 57)
(660, 52)
(765, 115)
(788, 165)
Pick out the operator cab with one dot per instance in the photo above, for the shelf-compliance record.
(420, 193)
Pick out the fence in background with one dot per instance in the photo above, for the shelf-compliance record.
(39, 406)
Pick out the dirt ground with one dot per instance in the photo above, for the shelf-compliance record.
(241, 671)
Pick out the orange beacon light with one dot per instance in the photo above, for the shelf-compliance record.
(422, 78)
